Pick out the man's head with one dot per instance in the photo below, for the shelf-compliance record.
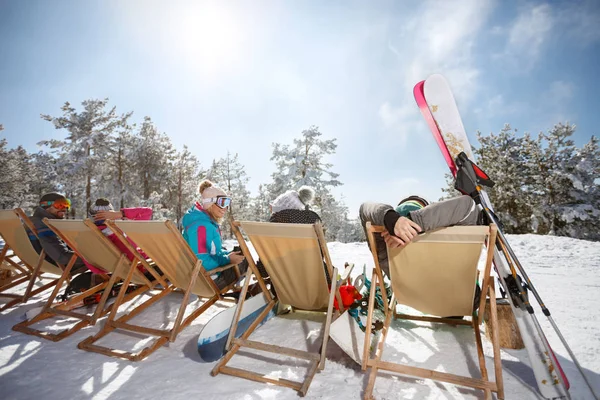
(56, 204)
(411, 203)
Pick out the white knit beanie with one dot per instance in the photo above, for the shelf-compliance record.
(292, 200)
(209, 194)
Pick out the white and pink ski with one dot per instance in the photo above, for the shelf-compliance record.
(439, 109)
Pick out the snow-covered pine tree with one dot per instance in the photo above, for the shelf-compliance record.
(152, 157)
(581, 216)
(85, 147)
(230, 175)
(16, 177)
(260, 210)
(117, 181)
(304, 163)
(551, 160)
(183, 182)
(504, 158)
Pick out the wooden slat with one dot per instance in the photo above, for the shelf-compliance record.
(260, 378)
(277, 349)
(450, 321)
(140, 329)
(67, 313)
(438, 376)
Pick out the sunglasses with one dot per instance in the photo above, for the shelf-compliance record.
(60, 204)
(220, 201)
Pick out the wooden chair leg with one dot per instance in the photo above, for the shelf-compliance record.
(334, 290)
(496, 342)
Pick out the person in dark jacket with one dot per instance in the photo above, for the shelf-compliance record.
(292, 207)
(412, 216)
(53, 206)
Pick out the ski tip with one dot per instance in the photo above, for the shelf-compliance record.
(435, 77)
(418, 89)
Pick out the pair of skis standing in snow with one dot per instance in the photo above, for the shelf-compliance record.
(437, 104)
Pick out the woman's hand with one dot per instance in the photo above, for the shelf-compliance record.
(102, 215)
(236, 257)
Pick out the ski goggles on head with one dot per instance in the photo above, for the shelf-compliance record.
(60, 204)
(220, 201)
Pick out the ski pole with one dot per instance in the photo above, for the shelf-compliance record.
(536, 294)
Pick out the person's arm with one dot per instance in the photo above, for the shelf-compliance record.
(374, 213)
(456, 211)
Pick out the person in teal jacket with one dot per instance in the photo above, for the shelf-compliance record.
(201, 231)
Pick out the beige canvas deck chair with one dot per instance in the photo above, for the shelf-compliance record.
(293, 257)
(436, 274)
(29, 266)
(87, 242)
(164, 244)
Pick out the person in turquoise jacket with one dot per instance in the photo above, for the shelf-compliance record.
(201, 231)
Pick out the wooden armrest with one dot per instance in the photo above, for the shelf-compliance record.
(223, 268)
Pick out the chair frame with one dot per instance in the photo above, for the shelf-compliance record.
(27, 273)
(64, 309)
(487, 291)
(162, 335)
(317, 360)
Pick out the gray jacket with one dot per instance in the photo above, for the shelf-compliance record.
(53, 246)
(456, 211)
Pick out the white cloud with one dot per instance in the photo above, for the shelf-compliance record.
(527, 36)
(438, 39)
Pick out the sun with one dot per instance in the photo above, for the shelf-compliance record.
(207, 36)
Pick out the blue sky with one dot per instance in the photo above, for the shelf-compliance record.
(240, 75)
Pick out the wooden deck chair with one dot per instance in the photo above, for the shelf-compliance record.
(30, 265)
(164, 244)
(436, 274)
(293, 257)
(88, 243)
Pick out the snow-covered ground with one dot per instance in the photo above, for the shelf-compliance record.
(565, 272)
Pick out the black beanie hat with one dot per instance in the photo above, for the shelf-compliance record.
(50, 197)
(101, 204)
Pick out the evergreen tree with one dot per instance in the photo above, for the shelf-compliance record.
(117, 180)
(183, 182)
(230, 175)
(152, 158)
(15, 180)
(260, 205)
(86, 145)
(304, 164)
(552, 168)
(504, 158)
(44, 178)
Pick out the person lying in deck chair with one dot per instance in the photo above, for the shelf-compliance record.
(102, 209)
(292, 207)
(53, 206)
(201, 231)
(415, 215)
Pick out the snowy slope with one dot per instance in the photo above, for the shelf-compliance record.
(565, 272)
